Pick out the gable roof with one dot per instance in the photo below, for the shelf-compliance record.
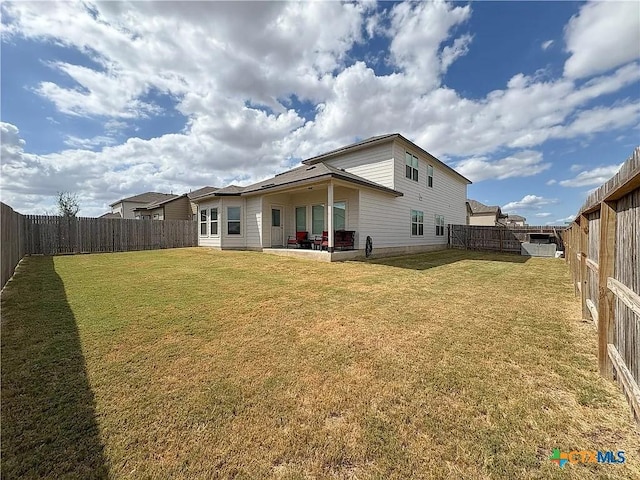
(229, 190)
(317, 171)
(147, 197)
(299, 175)
(110, 215)
(159, 203)
(201, 191)
(377, 140)
(515, 218)
(478, 208)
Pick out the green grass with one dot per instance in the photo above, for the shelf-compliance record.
(193, 363)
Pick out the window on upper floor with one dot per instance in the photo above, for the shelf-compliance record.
(429, 176)
(411, 166)
(417, 222)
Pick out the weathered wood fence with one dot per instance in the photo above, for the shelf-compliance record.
(49, 235)
(12, 246)
(53, 235)
(498, 239)
(603, 253)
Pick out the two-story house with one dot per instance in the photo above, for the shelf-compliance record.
(126, 207)
(384, 188)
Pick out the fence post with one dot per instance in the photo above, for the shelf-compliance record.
(584, 249)
(606, 301)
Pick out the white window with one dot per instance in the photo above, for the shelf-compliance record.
(439, 225)
(412, 166)
(233, 221)
(213, 221)
(429, 176)
(340, 215)
(301, 219)
(317, 219)
(203, 222)
(417, 222)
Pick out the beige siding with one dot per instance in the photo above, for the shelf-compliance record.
(127, 208)
(388, 219)
(487, 220)
(117, 208)
(209, 240)
(375, 164)
(233, 241)
(178, 209)
(253, 224)
(156, 213)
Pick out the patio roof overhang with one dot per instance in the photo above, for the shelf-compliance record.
(323, 179)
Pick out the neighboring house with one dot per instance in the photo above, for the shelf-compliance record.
(385, 187)
(176, 208)
(481, 214)
(515, 221)
(126, 206)
(158, 206)
(110, 215)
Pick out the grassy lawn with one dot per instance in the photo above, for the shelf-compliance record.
(193, 363)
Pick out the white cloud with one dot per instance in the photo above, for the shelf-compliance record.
(451, 53)
(562, 221)
(543, 214)
(551, 182)
(88, 143)
(417, 31)
(589, 178)
(602, 36)
(212, 59)
(528, 202)
(521, 164)
(575, 167)
(546, 45)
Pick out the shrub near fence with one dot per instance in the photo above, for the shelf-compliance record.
(53, 235)
(603, 252)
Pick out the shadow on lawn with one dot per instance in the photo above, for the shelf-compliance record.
(424, 261)
(49, 429)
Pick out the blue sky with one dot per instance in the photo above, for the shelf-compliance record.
(536, 102)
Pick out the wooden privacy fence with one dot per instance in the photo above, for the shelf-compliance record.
(499, 239)
(53, 235)
(603, 253)
(12, 237)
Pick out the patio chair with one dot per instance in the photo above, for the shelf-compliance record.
(324, 241)
(299, 240)
(344, 239)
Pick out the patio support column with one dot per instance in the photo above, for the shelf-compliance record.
(330, 217)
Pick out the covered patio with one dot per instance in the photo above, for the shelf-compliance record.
(311, 220)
